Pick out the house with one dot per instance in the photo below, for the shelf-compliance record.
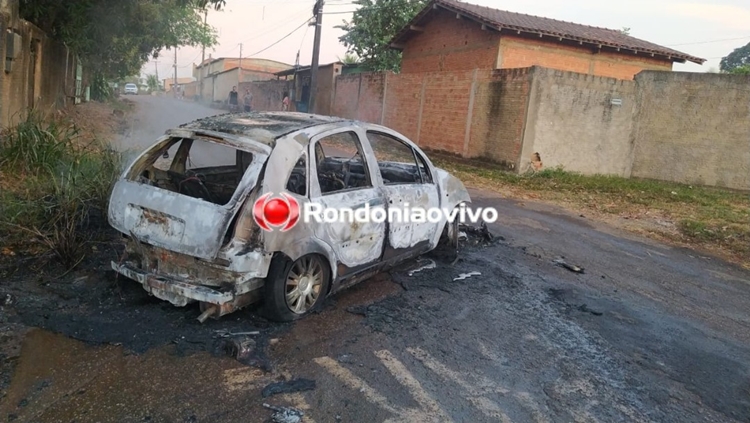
(180, 81)
(326, 84)
(451, 35)
(218, 76)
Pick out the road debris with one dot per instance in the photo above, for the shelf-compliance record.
(246, 351)
(423, 264)
(463, 276)
(571, 267)
(477, 234)
(227, 334)
(284, 414)
(288, 387)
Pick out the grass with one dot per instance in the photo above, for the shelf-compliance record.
(54, 188)
(713, 219)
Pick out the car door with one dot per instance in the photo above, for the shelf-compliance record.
(342, 180)
(409, 186)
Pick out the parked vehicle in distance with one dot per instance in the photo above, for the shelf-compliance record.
(187, 208)
(131, 88)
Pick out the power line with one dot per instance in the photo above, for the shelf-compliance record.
(275, 25)
(282, 38)
(708, 42)
(338, 13)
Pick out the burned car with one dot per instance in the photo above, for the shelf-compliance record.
(200, 227)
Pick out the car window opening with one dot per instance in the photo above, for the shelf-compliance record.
(397, 161)
(340, 164)
(196, 168)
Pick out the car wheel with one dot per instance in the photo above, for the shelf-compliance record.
(294, 289)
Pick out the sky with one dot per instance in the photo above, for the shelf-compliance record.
(704, 28)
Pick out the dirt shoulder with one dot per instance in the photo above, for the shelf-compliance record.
(711, 220)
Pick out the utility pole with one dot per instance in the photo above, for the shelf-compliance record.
(318, 12)
(203, 53)
(174, 82)
(239, 69)
(156, 68)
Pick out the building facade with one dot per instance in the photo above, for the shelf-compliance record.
(448, 35)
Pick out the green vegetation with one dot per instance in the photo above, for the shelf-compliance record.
(373, 26)
(115, 38)
(738, 58)
(54, 189)
(710, 218)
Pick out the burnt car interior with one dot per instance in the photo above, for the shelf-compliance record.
(398, 163)
(340, 163)
(197, 168)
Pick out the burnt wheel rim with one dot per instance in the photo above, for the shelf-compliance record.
(304, 283)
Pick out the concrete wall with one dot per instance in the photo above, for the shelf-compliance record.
(693, 128)
(267, 95)
(359, 96)
(572, 122)
(42, 77)
(518, 52)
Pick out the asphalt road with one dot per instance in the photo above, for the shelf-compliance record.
(647, 333)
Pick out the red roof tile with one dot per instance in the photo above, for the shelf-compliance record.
(501, 19)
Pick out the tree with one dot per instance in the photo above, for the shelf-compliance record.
(624, 30)
(349, 59)
(373, 26)
(153, 83)
(738, 58)
(741, 70)
(114, 38)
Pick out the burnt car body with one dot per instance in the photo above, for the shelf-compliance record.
(185, 206)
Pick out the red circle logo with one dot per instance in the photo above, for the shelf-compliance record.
(276, 212)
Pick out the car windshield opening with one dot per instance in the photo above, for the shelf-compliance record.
(196, 168)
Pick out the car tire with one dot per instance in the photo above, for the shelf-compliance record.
(309, 276)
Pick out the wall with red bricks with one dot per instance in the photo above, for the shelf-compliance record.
(450, 44)
(517, 52)
(469, 113)
(42, 77)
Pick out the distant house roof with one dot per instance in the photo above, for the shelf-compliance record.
(508, 22)
(305, 69)
(249, 63)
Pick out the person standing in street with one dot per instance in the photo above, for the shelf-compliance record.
(248, 101)
(285, 102)
(233, 99)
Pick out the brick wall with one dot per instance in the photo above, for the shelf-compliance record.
(693, 128)
(573, 123)
(450, 44)
(41, 77)
(517, 52)
(664, 125)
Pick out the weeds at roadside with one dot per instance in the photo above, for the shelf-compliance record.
(55, 190)
(711, 218)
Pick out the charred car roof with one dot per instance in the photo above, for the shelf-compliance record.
(263, 127)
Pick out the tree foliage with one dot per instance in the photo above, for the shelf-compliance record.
(349, 59)
(152, 82)
(741, 70)
(115, 37)
(373, 26)
(738, 58)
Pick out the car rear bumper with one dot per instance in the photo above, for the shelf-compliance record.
(177, 292)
